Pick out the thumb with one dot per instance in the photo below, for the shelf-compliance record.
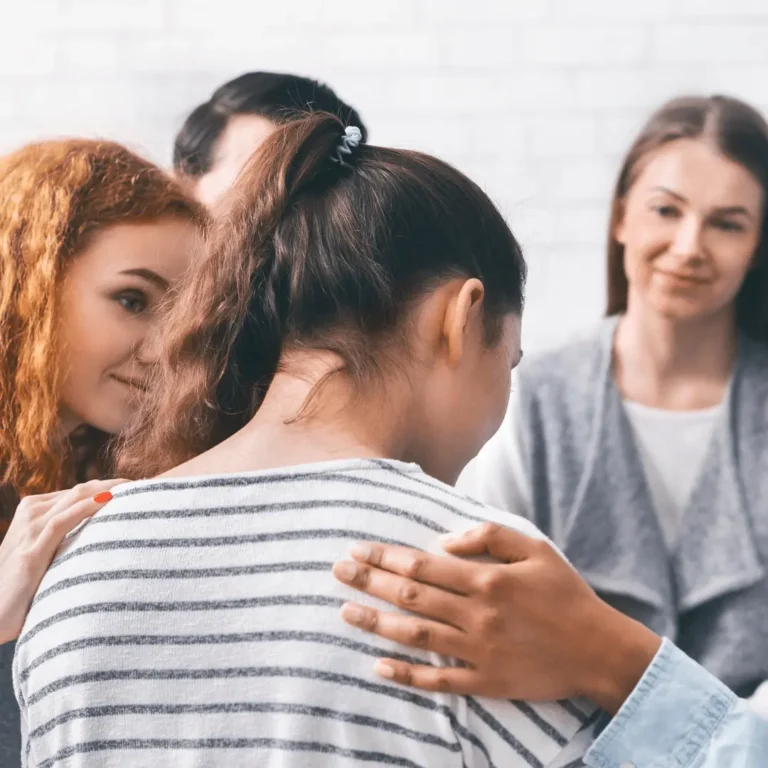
(501, 543)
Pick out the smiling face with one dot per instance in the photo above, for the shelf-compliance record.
(690, 226)
(110, 299)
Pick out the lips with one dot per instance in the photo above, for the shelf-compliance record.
(682, 278)
(138, 384)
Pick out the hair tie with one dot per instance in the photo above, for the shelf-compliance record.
(349, 141)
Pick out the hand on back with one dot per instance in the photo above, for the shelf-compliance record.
(39, 525)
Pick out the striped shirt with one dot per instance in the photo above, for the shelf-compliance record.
(194, 622)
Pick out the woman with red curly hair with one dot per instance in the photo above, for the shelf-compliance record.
(91, 239)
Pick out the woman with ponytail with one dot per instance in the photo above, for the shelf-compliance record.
(330, 365)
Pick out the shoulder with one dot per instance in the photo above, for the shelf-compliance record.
(567, 374)
(468, 512)
(577, 355)
(750, 389)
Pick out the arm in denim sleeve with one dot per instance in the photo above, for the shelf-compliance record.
(680, 716)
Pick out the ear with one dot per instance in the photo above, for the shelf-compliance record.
(462, 317)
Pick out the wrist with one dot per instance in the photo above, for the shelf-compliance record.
(621, 650)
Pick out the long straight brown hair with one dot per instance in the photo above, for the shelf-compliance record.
(741, 134)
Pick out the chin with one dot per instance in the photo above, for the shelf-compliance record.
(680, 309)
(112, 421)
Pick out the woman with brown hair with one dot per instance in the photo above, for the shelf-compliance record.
(338, 355)
(642, 451)
(91, 239)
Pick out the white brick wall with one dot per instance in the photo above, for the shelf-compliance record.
(535, 99)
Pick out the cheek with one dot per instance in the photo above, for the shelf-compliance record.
(734, 270)
(96, 335)
(501, 394)
(638, 262)
(644, 236)
(494, 388)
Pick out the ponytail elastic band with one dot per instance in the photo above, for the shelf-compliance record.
(349, 141)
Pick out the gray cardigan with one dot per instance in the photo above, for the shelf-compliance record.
(589, 494)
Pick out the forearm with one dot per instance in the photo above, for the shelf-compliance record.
(617, 653)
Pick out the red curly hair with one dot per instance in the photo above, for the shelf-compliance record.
(54, 194)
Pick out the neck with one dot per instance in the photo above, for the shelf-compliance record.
(310, 416)
(671, 363)
(68, 422)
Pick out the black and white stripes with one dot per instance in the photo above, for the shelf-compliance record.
(196, 622)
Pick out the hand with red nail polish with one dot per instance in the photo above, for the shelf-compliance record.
(39, 526)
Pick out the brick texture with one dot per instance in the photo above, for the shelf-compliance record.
(536, 100)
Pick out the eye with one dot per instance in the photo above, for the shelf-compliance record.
(728, 226)
(666, 211)
(133, 302)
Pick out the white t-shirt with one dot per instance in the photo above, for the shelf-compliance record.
(672, 447)
(194, 622)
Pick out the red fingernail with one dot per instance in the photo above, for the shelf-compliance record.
(103, 497)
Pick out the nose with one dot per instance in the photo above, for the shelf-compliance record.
(148, 352)
(687, 242)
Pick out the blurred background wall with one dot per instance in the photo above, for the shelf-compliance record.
(534, 99)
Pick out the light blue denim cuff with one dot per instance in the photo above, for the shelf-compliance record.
(672, 715)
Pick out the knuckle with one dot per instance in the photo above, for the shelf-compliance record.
(408, 594)
(490, 621)
(541, 548)
(29, 507)
(404, 675)
(490, 530)
(55, 527)
(78, 491)
(490, 581)
(89, 488)
(414, 568)
(419, 636)
(375, 554)
(369, 619)
(362, 577)
(442, 682)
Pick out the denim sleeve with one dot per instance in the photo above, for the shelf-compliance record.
(680, 716)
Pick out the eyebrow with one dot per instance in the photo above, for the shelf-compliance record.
(149, 276)
(726, 210)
